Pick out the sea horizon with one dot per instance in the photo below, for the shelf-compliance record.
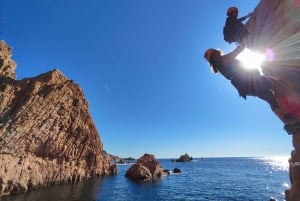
(202, 157)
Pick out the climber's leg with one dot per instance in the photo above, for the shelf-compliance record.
(269, 97)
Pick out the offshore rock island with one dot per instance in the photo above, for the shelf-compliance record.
(47, 135)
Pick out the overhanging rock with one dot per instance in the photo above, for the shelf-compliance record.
(275, 31)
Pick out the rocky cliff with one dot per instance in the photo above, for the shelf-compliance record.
(274, 30)
(47, 135)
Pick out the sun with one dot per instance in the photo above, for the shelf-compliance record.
(250, 59)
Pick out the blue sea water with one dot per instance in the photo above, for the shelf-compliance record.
(219, 179)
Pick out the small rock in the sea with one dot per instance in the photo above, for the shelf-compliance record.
(176, 170)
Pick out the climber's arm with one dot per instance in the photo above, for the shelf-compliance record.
(245, 17)
(232, 55)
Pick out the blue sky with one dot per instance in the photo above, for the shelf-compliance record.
(140, 64)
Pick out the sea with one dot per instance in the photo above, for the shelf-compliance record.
(211, 179)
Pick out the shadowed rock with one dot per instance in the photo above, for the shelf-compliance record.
(176, 170)
(274, 29)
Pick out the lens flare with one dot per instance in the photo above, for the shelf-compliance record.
(250, 59)
(270, 55)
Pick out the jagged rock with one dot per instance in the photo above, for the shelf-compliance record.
(147, 168)
(47, 135)
(275, 29)
(7, 65)
(184, 158)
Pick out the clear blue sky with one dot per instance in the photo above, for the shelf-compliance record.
(140, 64)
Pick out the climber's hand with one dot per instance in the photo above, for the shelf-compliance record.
(249, 15)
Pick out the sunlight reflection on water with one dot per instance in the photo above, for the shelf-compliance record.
(277, 162)
(286, 185)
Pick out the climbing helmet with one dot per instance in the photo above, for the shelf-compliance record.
(232, 10)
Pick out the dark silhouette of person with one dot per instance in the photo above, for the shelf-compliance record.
(248, 82)
(235, 30)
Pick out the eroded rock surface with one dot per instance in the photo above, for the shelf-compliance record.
(8, 66)
(275, 30)
(147, 168)
(47, 135)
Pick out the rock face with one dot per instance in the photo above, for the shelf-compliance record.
(275, 30)
(8, 66)
(147, 168)
(46, 133)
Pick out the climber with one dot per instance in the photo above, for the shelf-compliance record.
(234, 30)
(247, 82)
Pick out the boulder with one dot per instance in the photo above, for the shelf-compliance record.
(147, 168)
(138, 172)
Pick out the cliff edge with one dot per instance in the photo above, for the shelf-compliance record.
(274, 29)
(47, 135)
